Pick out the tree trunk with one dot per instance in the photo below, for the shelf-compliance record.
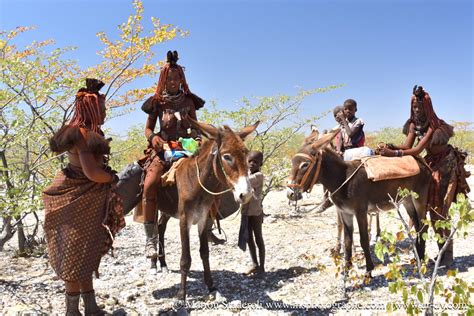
(7, 231)
(21, 237)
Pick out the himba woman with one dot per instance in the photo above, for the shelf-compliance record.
(446, 162)
(82, 212)
(172, 105)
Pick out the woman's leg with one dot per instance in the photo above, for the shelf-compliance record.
(149, 201)
(88, 297)
(150, 190)
(446, 178)
(73, 290)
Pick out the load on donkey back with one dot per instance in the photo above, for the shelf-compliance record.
(186, 189)
(172, 105)
(358, 186)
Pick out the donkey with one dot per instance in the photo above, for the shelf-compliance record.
(353, 193)
(315, 135)
(225, 207)
(220, 166)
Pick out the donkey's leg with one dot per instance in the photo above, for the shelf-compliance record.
(203, 228)
(337, 248)
(364, 240)
(348, 224)
(416, 209)
(162, 222)
(377, 223)
(185, 262)
(369, 225)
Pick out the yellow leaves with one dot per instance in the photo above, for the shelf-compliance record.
(138, 5)
(423, 269)
(400, 236)
(131, 96)
(130, 56)
(19, 30)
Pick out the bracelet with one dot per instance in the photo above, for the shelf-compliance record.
(401, 153)
(151, 136)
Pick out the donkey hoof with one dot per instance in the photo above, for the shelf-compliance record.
(215, 295)
(164, 270)
(181, 295)
(335, 251)
(179, 304)
(152, 271)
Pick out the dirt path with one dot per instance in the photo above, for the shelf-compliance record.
(300, 272)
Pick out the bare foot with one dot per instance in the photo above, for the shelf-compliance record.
(252, 270)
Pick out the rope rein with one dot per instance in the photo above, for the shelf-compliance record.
(202, 185)
(316, 175)
(335, 191)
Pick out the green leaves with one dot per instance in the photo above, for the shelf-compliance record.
(280, 133)
(37, 91)
(380, 250)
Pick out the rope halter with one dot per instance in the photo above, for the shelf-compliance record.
(312, 162)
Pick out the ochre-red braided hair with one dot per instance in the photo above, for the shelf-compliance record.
(171, 63)
(87, 106)
(442, 130)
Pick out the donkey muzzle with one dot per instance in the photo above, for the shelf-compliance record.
(243, 191)
(293, 194)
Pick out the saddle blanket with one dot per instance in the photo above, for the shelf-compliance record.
(380, 168)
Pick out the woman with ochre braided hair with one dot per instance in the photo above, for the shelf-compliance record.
(82, 211)
(446, 162)
(172, 105)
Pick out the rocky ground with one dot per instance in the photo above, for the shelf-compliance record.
(301, 275)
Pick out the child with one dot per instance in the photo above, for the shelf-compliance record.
(352, 132)
(252, 216)
(351, 126)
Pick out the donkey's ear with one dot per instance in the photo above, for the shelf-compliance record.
(244, 132)
(314, 133)
(207, 130)
(325, 139)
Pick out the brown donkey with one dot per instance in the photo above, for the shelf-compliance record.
(220, 166)
(353, 193)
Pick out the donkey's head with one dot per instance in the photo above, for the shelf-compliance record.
(306, 164)
(230, 157)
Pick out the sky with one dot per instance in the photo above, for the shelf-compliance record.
(378, 50)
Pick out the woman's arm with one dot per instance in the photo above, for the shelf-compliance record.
(423, 144)
(150, 125)
(409, 141)
(90, 168)
(155, 140)
(192, 114)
